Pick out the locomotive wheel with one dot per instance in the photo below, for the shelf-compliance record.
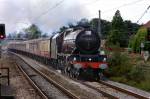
(71, 72)
(101, 76)
(97, 78)
(67, 70)
(77, 74)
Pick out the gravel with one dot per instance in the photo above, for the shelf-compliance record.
(75, 87)
(51, 91)
(48, 88)
(21, 88)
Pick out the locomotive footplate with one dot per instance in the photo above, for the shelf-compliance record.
(6, 92)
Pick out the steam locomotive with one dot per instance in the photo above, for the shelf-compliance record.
(75, 52)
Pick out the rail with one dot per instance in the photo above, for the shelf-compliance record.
(66, 91)
(31, 82)
(104, 93)
(124, 90)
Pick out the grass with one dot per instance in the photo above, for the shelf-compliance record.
(144, 85)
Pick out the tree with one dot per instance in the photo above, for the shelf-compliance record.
(9, 36)
(94, 24)
(70, 25)
(114, 37)
(105, 26)
(117, 22)
(118, 34)
(130, 27)
(14, 35)
(20, 35)
(33, 32)
(136, 41)
(83, 23)
(62, 29)
(44, 35)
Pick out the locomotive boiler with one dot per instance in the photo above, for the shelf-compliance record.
(83, 41)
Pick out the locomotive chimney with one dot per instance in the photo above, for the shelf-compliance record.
(99, 25)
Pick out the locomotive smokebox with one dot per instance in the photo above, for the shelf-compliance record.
(87, 41)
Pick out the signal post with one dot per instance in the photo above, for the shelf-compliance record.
(2, 35)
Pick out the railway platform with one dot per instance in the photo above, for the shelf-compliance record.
(6, 92)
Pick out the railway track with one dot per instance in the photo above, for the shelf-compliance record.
(112, 91)
(124, 90)
(105, 88)
(44, 94)
(103, 92)
(32, 83)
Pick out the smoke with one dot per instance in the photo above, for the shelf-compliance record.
(50, 15)
(18, 14)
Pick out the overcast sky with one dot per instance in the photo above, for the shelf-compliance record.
(49, 15)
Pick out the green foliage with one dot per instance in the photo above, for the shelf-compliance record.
(118, 34)
(147, 46)
(62, 29)
(94, 24)
(121, 31)
(122, 71)
(119, 79)
(130, 27)
(120, 66)
(136, 41)
(44, 35)
(117, 64)
(20, 35)
(145, 85)
(136, 74)
(83, 22)
(33, 32)
(105, 26)
(70, 25)
(9, 36)
(115, 37)
(117, 31)
(117, 22)
(140, 75)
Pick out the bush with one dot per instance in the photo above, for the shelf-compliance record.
(119, 64)
(121, 70)
(136, 74)
(145, 85)
(139, 58)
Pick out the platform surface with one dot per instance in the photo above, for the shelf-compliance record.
(6, 92)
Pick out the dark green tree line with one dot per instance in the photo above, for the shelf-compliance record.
(117, 32)
(33, 32)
